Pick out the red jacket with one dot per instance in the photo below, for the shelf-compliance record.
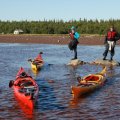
(111, 35)
(71, 36)
(39, 57)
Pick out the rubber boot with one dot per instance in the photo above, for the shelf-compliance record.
(111, 59)
(104, 58)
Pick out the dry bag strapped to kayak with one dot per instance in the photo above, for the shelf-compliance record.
(73, 44)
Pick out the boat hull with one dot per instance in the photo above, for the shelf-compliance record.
(85, 87)
(27, 100)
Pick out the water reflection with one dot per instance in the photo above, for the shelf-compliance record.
(111, 71)
(74, 102)
(48, 98)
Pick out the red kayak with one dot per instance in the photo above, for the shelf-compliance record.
(25, 88)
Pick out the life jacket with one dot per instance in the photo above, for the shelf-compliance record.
(71, 36)
(21, 70)
(39, 57)
(74, 36)
(111, 35)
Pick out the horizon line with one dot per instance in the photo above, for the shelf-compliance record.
(57, 20)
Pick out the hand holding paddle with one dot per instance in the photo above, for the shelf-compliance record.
(29, 60)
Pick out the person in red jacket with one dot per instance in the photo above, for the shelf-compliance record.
(39, 57)
(110, 42)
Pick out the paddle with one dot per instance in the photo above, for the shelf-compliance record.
(79, 79)
(30, 60)
(41, 53)
(11, 83)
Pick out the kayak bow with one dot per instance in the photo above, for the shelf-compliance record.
(25, 89)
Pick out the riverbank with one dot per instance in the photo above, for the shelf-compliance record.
(51, 39)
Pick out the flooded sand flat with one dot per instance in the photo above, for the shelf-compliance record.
(55, 99)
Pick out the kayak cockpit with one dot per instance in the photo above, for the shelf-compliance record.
(26, 87)
(28, 91)
(90, 79)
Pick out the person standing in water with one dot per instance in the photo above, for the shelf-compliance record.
(74, 36)
(110, 42)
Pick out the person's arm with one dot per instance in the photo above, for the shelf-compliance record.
(105, 40)
(117, 36)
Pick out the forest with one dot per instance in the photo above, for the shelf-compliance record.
(83, 26)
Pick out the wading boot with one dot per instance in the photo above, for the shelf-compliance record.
(104, 58)
(111, 59)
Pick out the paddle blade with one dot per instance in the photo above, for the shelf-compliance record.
(41, 53)
(79, 79)
(11, 83)
(29, 60)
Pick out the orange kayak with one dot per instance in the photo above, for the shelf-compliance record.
(89, 83)
(25, 88)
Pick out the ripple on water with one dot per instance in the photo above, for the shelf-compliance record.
(55, 80)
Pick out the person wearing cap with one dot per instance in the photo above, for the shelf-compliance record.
(74, 36)
(110, 42)
(38, 59)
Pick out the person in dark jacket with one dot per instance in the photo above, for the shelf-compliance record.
(110, 42)
(74, 36)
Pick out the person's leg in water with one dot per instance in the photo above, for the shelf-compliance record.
(106, 51)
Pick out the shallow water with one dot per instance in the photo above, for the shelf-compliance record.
(55, 99)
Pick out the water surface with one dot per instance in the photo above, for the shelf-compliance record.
(55, 99)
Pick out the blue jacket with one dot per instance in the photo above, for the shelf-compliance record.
(76, 35)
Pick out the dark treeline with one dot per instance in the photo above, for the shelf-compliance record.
(59, 26)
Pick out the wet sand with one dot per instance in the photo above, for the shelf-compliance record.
(51, 39)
